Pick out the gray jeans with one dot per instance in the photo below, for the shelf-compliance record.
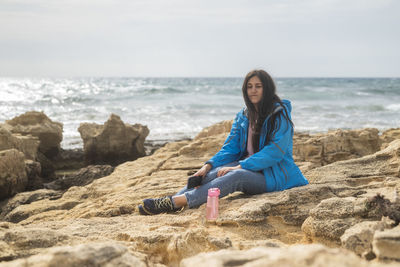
(245, 181)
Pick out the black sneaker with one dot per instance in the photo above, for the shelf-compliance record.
(152, 206)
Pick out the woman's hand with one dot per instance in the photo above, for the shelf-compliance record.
(225, 170)
(203, 170)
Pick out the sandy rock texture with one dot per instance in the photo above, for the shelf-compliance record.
(38, 124)
(13, 178)
(114, 142)
(296, 256)
(251, 230)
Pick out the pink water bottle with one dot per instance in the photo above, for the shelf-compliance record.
(212, 204)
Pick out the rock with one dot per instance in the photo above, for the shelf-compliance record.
(33, 170)
(25, 198)
(92, 254)
(114, 142)
(388, 136)
(47, 167)
(222, 127)
(38, 124)
(26, 144)
(33, 238)
(372, 174)
(358, 238)
(82, 177)
(323, 149)
(386, 244)
(13, 178)
(296, 256)
(340, 195)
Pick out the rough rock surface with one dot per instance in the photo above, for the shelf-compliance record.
(388, 136)
(323, 149)
(96, 255)
(358, 238)
(386, 244)
(339, 195)
(26, 144)
(296, 256)
(114, 142)
(38, 124)
(80, 178)
(33, 172)
(369, 175)
(13, 178)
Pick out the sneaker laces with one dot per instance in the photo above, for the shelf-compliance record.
(163, 203)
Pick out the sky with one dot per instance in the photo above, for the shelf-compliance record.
(199, 38)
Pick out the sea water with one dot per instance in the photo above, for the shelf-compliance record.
(178, 108)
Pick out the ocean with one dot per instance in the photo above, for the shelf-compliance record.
(178, 108)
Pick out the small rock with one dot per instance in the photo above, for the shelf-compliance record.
(386, 244)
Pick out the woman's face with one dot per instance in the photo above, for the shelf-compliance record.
(255, 89)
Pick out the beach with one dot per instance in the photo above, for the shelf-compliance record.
(353, 191)
(75, 170)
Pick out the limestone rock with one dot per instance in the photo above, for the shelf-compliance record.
(358, 238)
(25, 198)
(114, 142)
(92, 254)
(386, 244)
(331, 217)
(26, 144)
(322, 149)
(296, 256)
(33, 171)
(388, 136)
(13, 177)
(39, 125)
(339, 195)
(222, 127)
(82, 177)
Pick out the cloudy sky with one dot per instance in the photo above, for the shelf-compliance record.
(289, 38)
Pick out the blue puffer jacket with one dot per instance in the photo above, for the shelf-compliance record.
(274, 159)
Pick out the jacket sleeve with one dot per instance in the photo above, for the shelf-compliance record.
(274, 151)
(230, 150)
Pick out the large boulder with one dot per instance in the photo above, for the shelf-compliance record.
(27, 144)
(13, 178)
(38, 124)
(114, 142)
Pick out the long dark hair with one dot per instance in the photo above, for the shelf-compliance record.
(265, 107)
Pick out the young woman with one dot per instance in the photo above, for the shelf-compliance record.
(255, 158)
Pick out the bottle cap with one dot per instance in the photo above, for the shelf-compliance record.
(213, 192)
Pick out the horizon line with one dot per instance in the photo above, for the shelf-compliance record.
(195, 77)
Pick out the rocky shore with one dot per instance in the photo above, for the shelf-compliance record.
(347, 216)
